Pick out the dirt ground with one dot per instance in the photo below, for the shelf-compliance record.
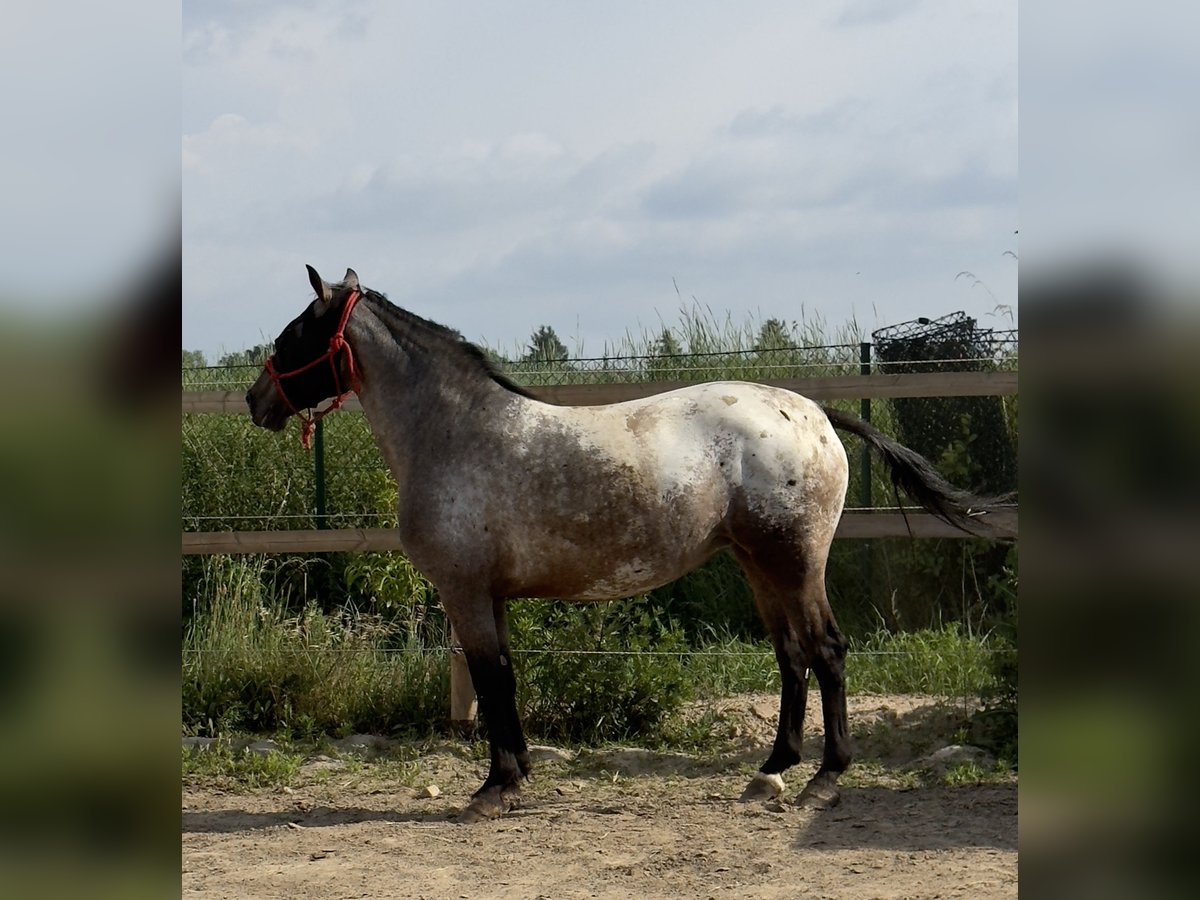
(618, 823)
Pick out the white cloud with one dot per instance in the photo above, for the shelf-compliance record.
(90, 150)
(496, 165)
(874, 12)
(231, 143)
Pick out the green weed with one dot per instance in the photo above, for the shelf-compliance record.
(243, 768)
(969, 773)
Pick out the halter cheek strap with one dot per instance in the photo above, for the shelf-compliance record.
(337, 344)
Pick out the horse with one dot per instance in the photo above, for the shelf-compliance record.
(502, 496)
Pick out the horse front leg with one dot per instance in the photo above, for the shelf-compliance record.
(483, 636)
(500, 615)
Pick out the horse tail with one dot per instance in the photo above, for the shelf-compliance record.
(924, 484)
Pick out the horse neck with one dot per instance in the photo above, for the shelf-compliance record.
(414, 383)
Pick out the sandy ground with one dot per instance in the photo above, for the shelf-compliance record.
(617, 823)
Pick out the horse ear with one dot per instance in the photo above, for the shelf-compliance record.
(351, 280)
(323, 291)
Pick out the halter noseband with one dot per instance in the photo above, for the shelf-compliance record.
(337, 343)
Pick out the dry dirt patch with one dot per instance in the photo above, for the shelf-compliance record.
(619, 823)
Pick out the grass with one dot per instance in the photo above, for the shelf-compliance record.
(969, 774)
(227, 764)
(244, 768)
(250, 665)
(587, 675)
(946, 662)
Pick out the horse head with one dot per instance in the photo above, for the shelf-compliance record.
(312, 361)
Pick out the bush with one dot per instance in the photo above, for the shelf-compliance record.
(624, 672)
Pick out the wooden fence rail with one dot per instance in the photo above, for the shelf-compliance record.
(856, 525)
(837, 387)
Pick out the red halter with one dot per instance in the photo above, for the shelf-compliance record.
(337, 343)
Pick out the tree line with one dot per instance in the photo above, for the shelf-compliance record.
(544, 347)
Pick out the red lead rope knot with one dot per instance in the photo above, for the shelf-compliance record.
(337, 344)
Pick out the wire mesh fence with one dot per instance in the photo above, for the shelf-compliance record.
(239, 477)
(979, 432)
(746, 365)
(943, 348)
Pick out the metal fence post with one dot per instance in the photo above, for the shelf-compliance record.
(320, 518)
(864, 410)
(864, 462)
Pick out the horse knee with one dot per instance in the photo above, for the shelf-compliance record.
(831, 651)
(834, 637)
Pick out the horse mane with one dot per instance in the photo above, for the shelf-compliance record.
(447, 341)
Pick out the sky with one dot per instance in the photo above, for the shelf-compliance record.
(595, 167)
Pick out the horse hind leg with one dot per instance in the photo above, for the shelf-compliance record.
(828, 663)
(793, 699)
(805, 636)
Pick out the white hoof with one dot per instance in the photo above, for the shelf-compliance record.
(763, 787)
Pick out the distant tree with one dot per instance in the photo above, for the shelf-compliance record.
(774, 335)
(194, 359)
(667, 344)
(665, 362)
(255, 356)
(545, 347)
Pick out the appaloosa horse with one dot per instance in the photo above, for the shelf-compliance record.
(504, 496)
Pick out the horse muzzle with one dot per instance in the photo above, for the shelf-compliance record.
(267, 409)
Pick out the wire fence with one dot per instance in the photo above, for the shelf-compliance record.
(238, 477)
(994, 349)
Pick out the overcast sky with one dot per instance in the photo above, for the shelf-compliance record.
(498, 166)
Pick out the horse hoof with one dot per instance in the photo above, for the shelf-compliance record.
(489, 804)
(475, 812)
(762, 787)
(819, 795)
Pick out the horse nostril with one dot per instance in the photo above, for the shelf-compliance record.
(249, 401)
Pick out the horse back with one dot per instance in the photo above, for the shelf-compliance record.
(608, 501)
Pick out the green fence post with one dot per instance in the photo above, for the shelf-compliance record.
(864, 462)
(319, 474)
(864, 410)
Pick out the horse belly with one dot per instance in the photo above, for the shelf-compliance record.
(615, 580)
(611, 559)
(637, 574)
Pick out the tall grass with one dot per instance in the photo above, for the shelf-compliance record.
(703, 347)
(248, 664)
(947, 662)
(589, 674)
